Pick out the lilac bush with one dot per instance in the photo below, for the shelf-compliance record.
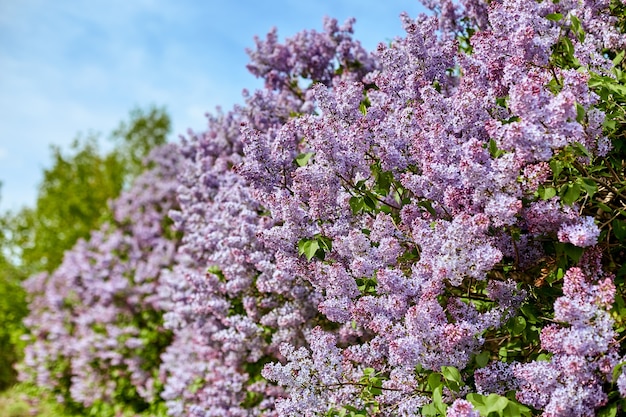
(96, 327)
(435, 228)
(235, 300)
(402, 207)
(420, 202)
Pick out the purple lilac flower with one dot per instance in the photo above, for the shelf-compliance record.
(583, 232)
(462, 408)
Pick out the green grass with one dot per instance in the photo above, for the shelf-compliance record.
(23, 400)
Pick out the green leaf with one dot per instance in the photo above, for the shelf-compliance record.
(619, 228)
(604, 207)
(617, 371)
(215, 270)
(478, 401)
(370, 201)
(302, 159)
(570, 193)
(454, 387)
(589, 185)
(438, 400)
(569, 48)
(434, 380)
(356, 204)
(366, 286)
(429, 410)
(529, 311)
(581, 149)
(554, 86)
(555, 17)
(384, 180)
(617, 89)
(515, 409)
(428, 205)
(503, 352)
(363, 108)
(482, 359)
(574, 252)
(608, 411)
(317, 246)
(510, 120)
(610, 124)
(546, 193)
(325, 243)
(518, 325)
(496, 403)
(308, 248)
(450, 373)
(557, 168)
(493, 149)
(252, 400)
(580, 113)
(577, 28)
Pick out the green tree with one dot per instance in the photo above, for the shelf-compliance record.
(73, 199)
(12, 310)
(73, 196)
(135, 139)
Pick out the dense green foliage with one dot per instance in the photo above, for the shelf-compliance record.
(12, 309)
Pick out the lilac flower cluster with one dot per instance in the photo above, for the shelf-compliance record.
(584, 349)
(462, 408)
(96, 330)
(226, 291)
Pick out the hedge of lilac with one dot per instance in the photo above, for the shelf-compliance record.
(96, 323)
(434, 228)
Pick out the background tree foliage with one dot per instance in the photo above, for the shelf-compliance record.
(73, 196)
(12, 309)
(73, 200)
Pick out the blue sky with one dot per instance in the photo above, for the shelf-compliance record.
(79, 67)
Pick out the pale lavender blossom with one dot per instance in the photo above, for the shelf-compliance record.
(584, 232)
(462, 408)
